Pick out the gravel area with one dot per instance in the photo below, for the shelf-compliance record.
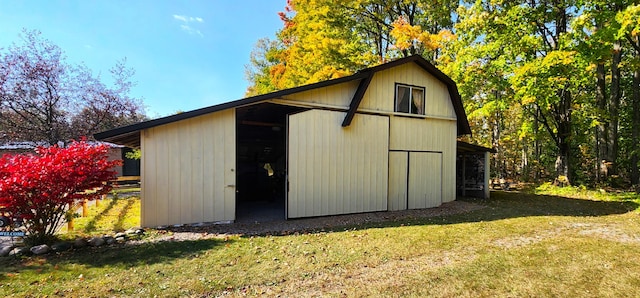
(311, 224)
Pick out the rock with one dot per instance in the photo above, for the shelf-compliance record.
(79, 243)
(61, 246)
(121, 239)
(96, 241)
(40, 249)
(136, 231)
(20, 251)
(5, 250)
(121, 234)
(109, 240)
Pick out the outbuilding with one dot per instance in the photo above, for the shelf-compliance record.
(381, 139)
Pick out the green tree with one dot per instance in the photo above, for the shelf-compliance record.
(326, 39)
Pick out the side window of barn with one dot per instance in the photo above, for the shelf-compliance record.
(409, 99)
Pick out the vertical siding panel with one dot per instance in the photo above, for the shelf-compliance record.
(435, 135)
(398, 162)
(292, 167)
(303, 163)
(382, 171)
(208, 174)
(356, 192)
(218, 170)
(435, 197)
(182, 150)
(328, 163)
(197, 187)
(425, 180)
(193, 162)
(449, 169)
(332, 186)
(338, 95)
(307, 203)
(368, 199)
(173, 158)
(229, 165)
(347, 152)
(162, 166)
(313, 203)
(340, 180)
(148, 178)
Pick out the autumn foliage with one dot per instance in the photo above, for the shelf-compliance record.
(39, 188)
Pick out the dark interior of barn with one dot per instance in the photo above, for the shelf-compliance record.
(261, 133)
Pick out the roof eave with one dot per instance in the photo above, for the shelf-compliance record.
(462, 122)
(110, 134)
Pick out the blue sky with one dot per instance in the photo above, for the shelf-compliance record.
(186, 54)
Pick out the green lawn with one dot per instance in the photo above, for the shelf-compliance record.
(106, 217)
(520, 245)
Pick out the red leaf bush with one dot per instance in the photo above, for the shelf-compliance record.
(39, 188)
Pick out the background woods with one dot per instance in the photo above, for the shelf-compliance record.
(45, 99)
(552, 85)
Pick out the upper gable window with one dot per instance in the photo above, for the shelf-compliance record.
(409, 99)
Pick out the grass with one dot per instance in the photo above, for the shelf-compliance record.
(109, 216)
(521, 244)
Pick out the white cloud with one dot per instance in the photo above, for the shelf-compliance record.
(180, 17)
(191, 30)
(186, 20)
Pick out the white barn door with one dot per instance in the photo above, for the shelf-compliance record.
(333, 169)
(415, 180)
(425, 180)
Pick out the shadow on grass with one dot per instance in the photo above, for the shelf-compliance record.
(91, 225)
(501, 205)
(517, 204)
(122, 215)
(505, 205)
(125, 257)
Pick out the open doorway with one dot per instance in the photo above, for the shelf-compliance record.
(261, 135)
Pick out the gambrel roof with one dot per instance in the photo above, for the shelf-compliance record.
(130, 135)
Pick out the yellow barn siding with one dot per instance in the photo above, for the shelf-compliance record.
(411, 134)
(336, 95)
(380, 95)
(188, 171)
(335, 170)
(398, 170)
(425, 180)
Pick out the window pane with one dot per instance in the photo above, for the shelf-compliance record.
(417, 102)
(402, 100)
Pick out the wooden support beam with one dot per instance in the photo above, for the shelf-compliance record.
(357, 98)
(258, 123)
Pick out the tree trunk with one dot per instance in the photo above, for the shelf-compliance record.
(602, 128)
(536, 147)
(635, 129)
(635, 117)
(563, 138)
(614, 107)
(562, 163)
(495, 142)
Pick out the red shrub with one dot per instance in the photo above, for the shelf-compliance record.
(39, 188)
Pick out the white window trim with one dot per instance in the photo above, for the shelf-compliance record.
(410, 87)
